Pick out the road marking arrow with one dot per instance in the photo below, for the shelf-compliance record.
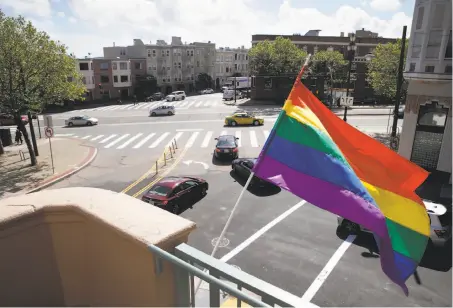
(189, 162)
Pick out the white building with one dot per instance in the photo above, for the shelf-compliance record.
(427, 132)
(230, 61)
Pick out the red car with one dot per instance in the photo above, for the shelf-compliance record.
(174, 193)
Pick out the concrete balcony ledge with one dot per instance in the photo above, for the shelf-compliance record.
(86, 247)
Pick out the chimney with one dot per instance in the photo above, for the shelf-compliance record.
(341, 34)
(113, 44)
(363, 29)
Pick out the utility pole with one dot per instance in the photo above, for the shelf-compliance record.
(32, 132)
(235, 89)
(351, 53)
(399, 83)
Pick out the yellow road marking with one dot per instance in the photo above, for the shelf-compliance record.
(145, 175)
(166, 171)
(232, 302)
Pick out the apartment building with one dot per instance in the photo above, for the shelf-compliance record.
(175, 65)
(107, 78)
(229, 62)
(366, 41)
(427, 129)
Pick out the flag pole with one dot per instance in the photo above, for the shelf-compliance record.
(252, 174)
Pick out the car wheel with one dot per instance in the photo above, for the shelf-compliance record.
(89, 123)
(173, 99)
(183, 98)
(153, 114)
(170, 113)
(175, 209)
(70, 124)
(233, 123)
(203, 191)
(256, 123)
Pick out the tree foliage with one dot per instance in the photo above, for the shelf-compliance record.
(383, 69)
(146, 86)
(330, 64)
(203, 81)
(276, 58)
(34, 71)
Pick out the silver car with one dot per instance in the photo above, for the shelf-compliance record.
(162, 110)
(176, 96)
(439, 217)
(81, 121)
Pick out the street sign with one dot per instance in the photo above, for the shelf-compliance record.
(48, 121)
(48, 131)
(346, 101)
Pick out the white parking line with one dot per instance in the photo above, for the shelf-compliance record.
(129, 141)
(206, 139)
(253, 140)
(116, 141)
(318, 282)
(144, 140)
(260, 232)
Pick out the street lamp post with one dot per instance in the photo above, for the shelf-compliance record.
(351, 54)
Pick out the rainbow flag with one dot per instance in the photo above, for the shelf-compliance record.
(315, 155)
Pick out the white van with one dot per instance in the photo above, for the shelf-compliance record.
(229, 95)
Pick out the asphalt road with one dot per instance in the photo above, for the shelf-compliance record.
(298, 240)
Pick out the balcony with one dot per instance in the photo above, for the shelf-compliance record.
(93, 247)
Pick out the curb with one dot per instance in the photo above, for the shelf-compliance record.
(57, 178)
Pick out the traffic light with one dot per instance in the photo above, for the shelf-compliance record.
(100, 86)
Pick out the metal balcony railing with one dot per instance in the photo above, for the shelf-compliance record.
(190, 262)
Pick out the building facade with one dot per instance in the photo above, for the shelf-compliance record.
(426, 137)
(312, 42)
(175, 65)
(230, 62)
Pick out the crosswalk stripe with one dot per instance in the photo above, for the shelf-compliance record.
(190, 104)
(266, 134)
(129, 141)
(198, 104)
(97, 137)
(86, 137)
(109, 108)
(151, 106)
(116, 107)
(144, 140)
(108, 138)
(192, 139)
(238, 135)
(182, 104)
(206, 139)
(75, 136)
(116, 141)
(159, 140)
(224, 132)
(124, 106)
(253, 139)
(176, 137)
(130, 107)
(206, 104)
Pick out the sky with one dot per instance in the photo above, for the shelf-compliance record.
(85, 26)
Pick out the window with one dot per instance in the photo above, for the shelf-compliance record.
(246, 57)
(83, 66)
(433, 48)
(179, 65)
(122, 52)
(163, 52)
(175, 64)
(417, 45)
(226, 69)
(115, 78)
(104, 65)
(448, 49)
(168, 68)
(198, 63)
(448, 69)
(438, 19)
(191, 53)
(154, 52)
(235, 56)
(412, 67)
(420, 14)
(149, 53)
(123, 65)
(235, 67)
(124, 78)
(138, 65)
(168, 53)
(429, 69)
(114, 65)
(104, 79)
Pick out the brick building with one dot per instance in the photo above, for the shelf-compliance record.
(312, 42)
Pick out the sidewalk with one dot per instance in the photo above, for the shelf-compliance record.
(18, 177)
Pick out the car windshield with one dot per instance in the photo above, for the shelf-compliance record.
(85, 117)
(160, 190)
(222, 142)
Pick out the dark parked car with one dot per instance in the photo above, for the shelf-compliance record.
(243, 167)
(175, 193)
(226, 147)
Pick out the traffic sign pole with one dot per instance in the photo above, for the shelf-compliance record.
(49, 134)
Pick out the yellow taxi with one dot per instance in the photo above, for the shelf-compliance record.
(243, 118)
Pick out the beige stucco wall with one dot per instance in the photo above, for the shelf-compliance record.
(85, 247)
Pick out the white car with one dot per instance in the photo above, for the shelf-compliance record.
(81, 121)
(207, 91)
(176, 96)
(229, 95)
(439, 217)
(162, 110)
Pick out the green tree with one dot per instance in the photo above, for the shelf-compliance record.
(146, 86)
(34, 71)
(383, 68)
(276, 58)
(328, 63)
(203, 81)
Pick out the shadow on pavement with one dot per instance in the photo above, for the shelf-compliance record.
(259, 191)
(435, 258)
(189, 207)
(219, 162)
(266, 111)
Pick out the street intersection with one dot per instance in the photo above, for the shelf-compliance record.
(273, 235)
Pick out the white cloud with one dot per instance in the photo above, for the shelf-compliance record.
(225, 22)
(385, 5)
(39, 8)
(61, 14)
(72, 20)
